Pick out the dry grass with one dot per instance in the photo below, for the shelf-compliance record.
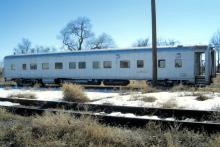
(149, 99)
(181, 87)
(137, 84)
(74, 93)
(23, 95)
(7, 84)
(214, 87)
(141, 86)
(149, 89)
(171, 103)
(65, 130)
(209, 88)
(85, 131)
(107, 103)
(6, 116)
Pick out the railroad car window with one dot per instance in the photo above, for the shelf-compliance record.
(24, 66)
(96, 65)
(82, 65)
(178, 63)
(107, 64)
(12, 67)
(72, 65)
(58, 65)
(125, 64)
(45, 66)
(140, 63)
(162, 63)
(33, 66)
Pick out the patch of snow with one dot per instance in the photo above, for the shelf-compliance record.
(8, 104)
(190, 120)
(183, 100)
(56, 94)
(41, 94)
(101, 94)
(130, 115)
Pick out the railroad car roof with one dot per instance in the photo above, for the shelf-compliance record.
(115, 50)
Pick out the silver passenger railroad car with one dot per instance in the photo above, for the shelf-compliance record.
(188, 64)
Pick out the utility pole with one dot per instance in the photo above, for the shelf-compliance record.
(154, 42)
(218, 59)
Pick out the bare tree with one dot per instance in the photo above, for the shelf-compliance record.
(101, 42)
(76, 32)
(142, 43)
(167, 42)
(160, 42)
(23, 48)
(215, 40)
(42, 49)
(172, 42)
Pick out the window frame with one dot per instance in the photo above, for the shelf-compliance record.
(70, 65)
(33, 66)
(181, 65)
(96, 65)
(139, 64)
(24, 66)
(82, 63)
(161, 65)
(47, 67)
(12, 67)
(128, 64)
(107, 67)
(57, 67)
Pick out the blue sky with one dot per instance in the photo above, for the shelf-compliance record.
(189, 21)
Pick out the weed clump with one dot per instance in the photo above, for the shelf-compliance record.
(23, 95)
(149, 99)
(181, 87)
(202, 98)
(171, 103)
(74, 93)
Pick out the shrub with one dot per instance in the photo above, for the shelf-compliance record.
(149, 89)
(74, 93)
(181, 87)
(202, 98)
(143, 98)
(83, 131)
(171, 103)
(141, 86)
(149, 99)
(23, 95)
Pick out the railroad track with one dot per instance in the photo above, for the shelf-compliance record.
(179, 114)
(33, 107)
(117, 120)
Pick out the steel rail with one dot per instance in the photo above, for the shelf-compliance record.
(117, 120)
(178, 114)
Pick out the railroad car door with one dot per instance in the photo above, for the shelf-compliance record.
(123, 66)
(200, 64)
(201, 61)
